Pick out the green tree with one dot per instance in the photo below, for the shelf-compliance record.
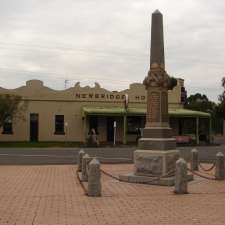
(200, 102)
(221, 104)
(172, 82)
(11, 105)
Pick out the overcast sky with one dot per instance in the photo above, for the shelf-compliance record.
(108, 42)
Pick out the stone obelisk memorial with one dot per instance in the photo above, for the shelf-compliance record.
(156, 154)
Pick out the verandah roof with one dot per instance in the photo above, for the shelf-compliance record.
(119, 111)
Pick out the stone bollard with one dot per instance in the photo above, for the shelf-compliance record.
(181, 177)
(81, 154)
(94, 178)
(194, 159)
(84, 174)
(220, 168)
(87, 163)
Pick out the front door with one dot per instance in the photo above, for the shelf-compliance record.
(33, 127)
(110, 129)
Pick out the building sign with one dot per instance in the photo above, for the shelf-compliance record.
(103, 96)
(140, 97)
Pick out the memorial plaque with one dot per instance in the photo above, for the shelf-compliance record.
(164, 106)
(154, 107)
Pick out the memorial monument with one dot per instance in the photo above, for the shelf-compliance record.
(156, 154)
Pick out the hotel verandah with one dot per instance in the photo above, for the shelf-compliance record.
(68, 115)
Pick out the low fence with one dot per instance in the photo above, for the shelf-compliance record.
(93, 181)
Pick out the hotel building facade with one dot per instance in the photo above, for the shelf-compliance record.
(69, 115)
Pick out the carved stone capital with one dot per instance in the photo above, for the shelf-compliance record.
(157, 77)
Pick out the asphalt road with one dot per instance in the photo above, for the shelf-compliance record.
(35, 156)
(44, 156)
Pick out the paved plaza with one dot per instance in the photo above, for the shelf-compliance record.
(44, 195)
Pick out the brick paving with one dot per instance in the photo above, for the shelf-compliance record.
(44, 195)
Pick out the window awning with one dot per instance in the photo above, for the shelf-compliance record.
(120, 111)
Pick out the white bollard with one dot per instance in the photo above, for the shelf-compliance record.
(194, 159)
(94, 178)
(181, 180)
(220, 169)
(81, 154)
(84, 174)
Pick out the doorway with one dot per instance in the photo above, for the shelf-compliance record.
(34, 127)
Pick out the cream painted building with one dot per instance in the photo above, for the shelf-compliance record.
(68, 115)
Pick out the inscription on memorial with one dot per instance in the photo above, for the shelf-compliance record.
(164, 106)
(153, 107)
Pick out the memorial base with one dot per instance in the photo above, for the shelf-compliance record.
(155, 162)
(163, 181)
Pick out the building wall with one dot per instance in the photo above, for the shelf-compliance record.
(48, 103)
(47, 111)
(174, 96)
(20, 130)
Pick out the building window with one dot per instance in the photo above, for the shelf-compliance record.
(7, 125)
(59, 124)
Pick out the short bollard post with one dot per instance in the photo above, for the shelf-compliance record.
(88, 160)
(220, 168)
(194, 159)
(181, 177)
(81, 154)
(84, 174)
(94, 178)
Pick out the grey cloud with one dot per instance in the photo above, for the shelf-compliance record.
(109, 41)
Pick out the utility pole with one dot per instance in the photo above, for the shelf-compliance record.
(65, 83)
